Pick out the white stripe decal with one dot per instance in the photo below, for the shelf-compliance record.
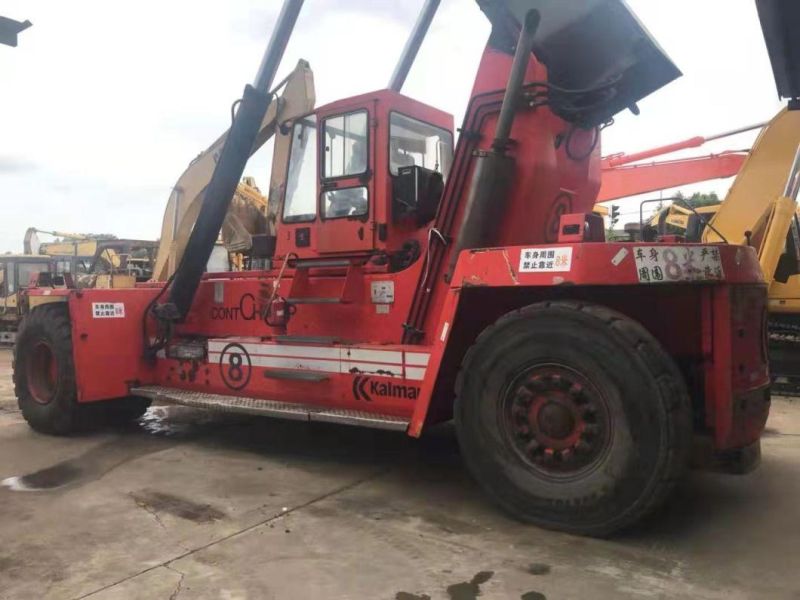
(415, 373)
(384, 356)
(328, 359)
(417, 358)
(376, 368)
(313, 364)
(276, 350)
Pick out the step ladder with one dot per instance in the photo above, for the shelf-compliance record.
(269, 408)
(301, 281)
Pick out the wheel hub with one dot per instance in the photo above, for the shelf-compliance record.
(556, 419)
(42, 373)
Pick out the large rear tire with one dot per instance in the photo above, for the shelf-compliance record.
(572, 416)
(44, 379)
(44, 371)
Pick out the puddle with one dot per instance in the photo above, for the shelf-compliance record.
(89, 466)
(180, 421)
(469, 590)
(50, 478)
(126, 444)
(161, 427)
(533, 596)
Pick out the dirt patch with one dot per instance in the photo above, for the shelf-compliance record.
(183, 508)
(538, 569)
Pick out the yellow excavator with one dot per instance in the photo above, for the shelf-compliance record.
(94, 261)
(16, 271)
(249, 228)
(83, 259)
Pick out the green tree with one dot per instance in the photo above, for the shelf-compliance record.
(697, 199)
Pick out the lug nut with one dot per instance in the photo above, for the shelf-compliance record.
(532, 447)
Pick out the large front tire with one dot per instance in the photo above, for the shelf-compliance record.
(44, 371)
(573, 417)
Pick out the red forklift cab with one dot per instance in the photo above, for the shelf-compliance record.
(342, 195)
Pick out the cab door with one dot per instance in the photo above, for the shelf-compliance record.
(346, 203)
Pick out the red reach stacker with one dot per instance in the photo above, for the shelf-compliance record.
(410, 282)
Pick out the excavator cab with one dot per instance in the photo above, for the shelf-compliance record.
(358, 165)
(16, 272)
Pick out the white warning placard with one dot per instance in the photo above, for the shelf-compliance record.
(382, 292)
(108, 310)
(668, 264)
(535, 260)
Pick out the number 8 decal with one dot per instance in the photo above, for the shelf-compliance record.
(235, 366)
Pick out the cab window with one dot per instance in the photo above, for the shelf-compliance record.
(345, 145)
(11, 279)
(300, 200)
(63, 266)
(27, 270)
(413, 142)
(349, 202)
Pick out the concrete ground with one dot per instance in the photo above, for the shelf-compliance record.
(188, 506)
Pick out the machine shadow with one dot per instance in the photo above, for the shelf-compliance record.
(699, 498)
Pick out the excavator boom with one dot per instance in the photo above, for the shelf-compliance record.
(625, 175)
(760, 181)
(297, 99)
(629, 180)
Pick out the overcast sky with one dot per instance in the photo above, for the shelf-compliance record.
(103, 104)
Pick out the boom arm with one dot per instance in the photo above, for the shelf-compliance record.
(621, 178)
(629, 180)
(298, 98)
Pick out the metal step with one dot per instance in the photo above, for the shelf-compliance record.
(296, 375)
(314, 300)
(319, 263)
(269, 408)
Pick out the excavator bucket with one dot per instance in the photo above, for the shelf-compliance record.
(595, 45)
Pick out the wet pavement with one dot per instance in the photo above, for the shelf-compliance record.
(188, 505)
